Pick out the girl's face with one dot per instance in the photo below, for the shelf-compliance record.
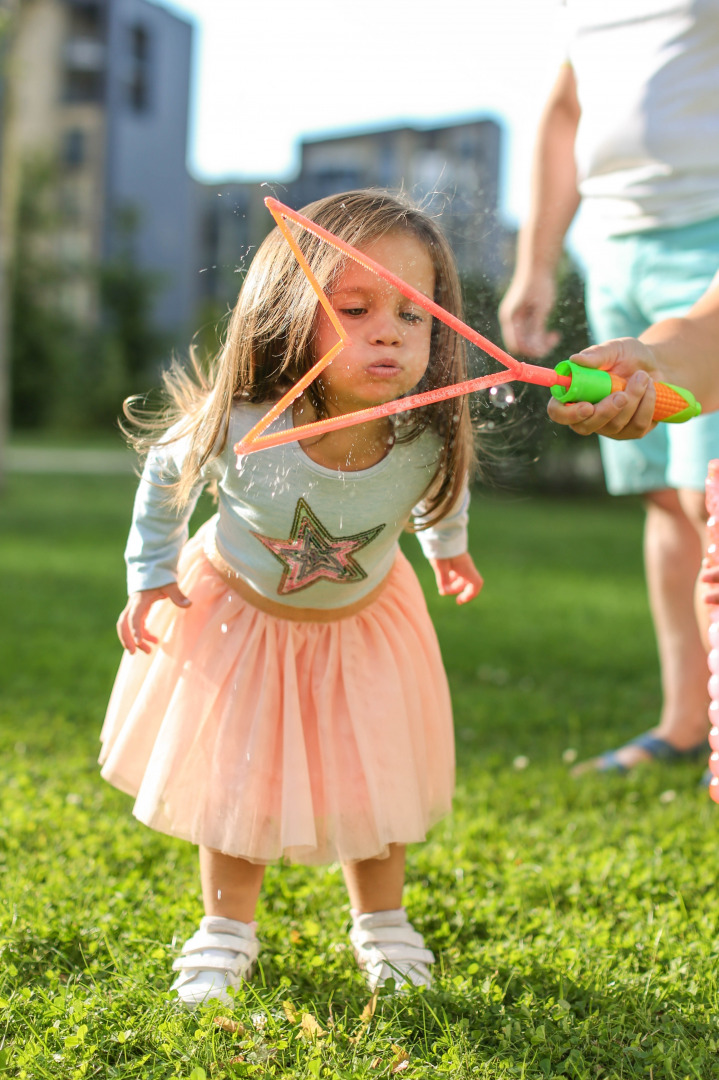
(390, 335)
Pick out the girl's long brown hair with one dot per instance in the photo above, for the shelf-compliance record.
(269, 345)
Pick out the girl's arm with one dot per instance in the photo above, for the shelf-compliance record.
(445, 546)
(159, 530)
(681, 351)
(458, 577)
(131, 628)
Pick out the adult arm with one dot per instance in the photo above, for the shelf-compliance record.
(530, 298)
(682, 351)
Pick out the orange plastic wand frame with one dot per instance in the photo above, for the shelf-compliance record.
(515, 370)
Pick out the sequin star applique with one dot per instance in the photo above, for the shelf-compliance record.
(312, 554)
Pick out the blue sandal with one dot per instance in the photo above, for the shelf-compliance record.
(657, 748)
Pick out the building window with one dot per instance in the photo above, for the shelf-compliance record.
(74, 149)
(86, 19)
(139, 81)
(84, 54)
(83, 86)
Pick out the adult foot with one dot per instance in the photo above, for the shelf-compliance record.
(645, 748)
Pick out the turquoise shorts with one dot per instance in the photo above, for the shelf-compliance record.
(634, 281)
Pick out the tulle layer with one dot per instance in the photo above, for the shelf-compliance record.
(262, 737)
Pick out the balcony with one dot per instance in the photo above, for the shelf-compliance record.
(84, 54)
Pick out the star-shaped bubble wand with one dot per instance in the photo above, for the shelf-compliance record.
(568, 381)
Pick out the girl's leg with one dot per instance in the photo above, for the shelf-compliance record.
(223, 951)
(230, 886)
(384, 941)
(376, 884)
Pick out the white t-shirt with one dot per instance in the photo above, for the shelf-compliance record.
(297, 532)
(647, 76)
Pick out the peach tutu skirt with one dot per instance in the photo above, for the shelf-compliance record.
(264, 737)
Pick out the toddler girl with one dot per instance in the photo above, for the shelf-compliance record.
(282, 691)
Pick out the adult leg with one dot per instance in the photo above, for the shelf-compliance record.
(646, 279)
(673, 547)
(681, 263)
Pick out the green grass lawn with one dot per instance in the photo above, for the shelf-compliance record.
(575, 923)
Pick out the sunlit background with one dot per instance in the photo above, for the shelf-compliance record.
(141, 138)
(267, 76)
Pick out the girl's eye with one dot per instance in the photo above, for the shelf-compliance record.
(353, 311)
(411, 317)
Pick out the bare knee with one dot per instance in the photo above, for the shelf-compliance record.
(677, 512)
(694, 507)
(663, 501)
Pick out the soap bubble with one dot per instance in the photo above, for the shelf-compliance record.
(501, 396)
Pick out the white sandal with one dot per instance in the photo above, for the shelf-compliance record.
(388, 947)
(218, 957)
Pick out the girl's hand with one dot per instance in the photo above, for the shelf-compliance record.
(710, 577)
(458, 577)
(131, 624)
(625, 414)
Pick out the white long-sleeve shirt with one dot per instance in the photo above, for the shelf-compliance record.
(296, 532)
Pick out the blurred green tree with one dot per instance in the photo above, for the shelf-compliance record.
(520, 445)
(44, 338)
(71, 369)
(8, 203)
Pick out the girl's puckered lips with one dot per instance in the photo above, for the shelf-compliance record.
(384, 367)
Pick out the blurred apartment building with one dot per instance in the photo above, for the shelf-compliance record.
(99, 95)
(452, 170)
(99, 91)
